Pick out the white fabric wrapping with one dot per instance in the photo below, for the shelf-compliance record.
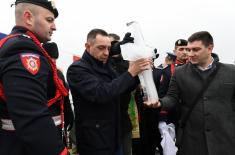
(148, 85)
(137, 50)
(168, 138)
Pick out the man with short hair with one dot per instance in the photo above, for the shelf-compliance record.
(204, 90)
(31, 94)
(96, 91)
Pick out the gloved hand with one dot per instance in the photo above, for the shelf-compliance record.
(115, 45)
(156, 55)
(127, 39)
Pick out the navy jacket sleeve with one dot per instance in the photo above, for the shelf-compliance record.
(26, 96)
(88, 85)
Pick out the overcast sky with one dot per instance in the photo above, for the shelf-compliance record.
(162, 23)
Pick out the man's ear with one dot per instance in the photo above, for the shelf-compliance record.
(87, 45)
(210, 47)
(28, 18)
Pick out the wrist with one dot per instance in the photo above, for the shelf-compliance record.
(132, 74)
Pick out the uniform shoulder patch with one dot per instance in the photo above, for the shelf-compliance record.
(31, 62)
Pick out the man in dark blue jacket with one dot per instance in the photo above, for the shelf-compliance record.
(96, 89)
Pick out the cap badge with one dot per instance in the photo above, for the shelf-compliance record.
(53, 4)
(179, 42)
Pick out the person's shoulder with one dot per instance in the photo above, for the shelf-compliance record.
(78, 65)
(18, 44)
(227, 71)
(227, 66)
(166, 66)
(183, 68)
(166, 69)
(157, 71)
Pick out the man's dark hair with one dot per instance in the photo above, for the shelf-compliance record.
(93, 33)
(203, 36)
(114, 36)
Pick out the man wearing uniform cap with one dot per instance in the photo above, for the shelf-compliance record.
(170, 58)
(47, 4)
(180, 57)
(181, 51)
(31, 94)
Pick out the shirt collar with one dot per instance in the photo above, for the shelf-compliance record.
(208, 67)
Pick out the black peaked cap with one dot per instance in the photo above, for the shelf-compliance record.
(48, 4)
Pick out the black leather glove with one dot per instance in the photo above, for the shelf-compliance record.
(115, 45)
(115, 48)
(127, 39)
(156, 55)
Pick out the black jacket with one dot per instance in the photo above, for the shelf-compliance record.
(121, 66)
(172, 115)
(211, 125)
(27, 91)
(96, 91)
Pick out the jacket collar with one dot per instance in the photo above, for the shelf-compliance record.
(178, 62)
(91, 60)
(212, 68)
(97, 65)
(207, 67)
(19, 29)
